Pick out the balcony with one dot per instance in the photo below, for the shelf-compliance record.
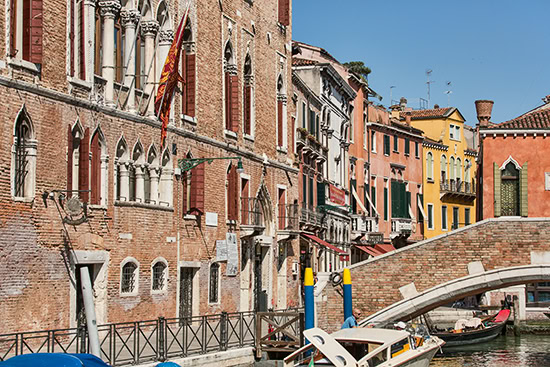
(401, 227)
(458, 189)
(310, 145)
(252, 218)
(361, 225)
(309, 217)
(288, 224)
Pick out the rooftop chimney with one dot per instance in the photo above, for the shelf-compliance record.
(408, 117)
(403, 102)
(436, 106)
(484, 109)
(546, 99)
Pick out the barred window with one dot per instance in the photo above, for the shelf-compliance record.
(214, 283)
(22, 133)
(159, 276)
(128, 282)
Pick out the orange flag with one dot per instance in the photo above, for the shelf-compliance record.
(169, 78)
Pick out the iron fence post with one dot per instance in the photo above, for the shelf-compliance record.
(223, 331)
(241, 334)
(161, 351)
(203, 334)
(136, 343)
(302, 327)
(82, 333)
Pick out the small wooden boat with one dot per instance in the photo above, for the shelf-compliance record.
(54, 360)
(489, 329)
(364, 347)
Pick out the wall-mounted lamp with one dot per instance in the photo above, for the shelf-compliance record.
(187, 164)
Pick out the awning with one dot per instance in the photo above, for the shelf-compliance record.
(324, 243)
(354, 192)
(383, 247)
(411, 214)
(369, 250)
(371, 204)
(419, 203)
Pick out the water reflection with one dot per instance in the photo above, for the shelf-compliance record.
(505, 351)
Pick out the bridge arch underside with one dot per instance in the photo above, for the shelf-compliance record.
(442, 294)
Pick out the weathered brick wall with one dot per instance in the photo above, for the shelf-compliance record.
(376, 283)
(35, 280)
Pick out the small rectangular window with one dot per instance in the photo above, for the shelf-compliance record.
(444, 217)
(407, 146)
(430, 216)
(304, 116)
(452, 132)
(416, 150)
(466, 216)
(395, 144)
(373, 143)
(386, 144)
(385, 203)
(455, 218)
(457, 132)
(214, 283)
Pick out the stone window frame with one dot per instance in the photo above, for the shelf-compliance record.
(429, 167)
(215, 266)
(430, 215)
(135, 290)
(30, 148)
(154, 263)
(103, 169)
(444, 224)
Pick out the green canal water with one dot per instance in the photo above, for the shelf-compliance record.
(505, 351)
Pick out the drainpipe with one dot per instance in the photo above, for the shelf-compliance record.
(89, 308)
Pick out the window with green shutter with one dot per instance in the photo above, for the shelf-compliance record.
(310, 191)
(399, 200)
(312, 122)
(385, 203)
(320, 193)
(365, 200)
(304, 189)
(419, 204)
(373, 196)
(408, 205)
(523, 191)
(395, 144)
(407, 146)
(353, 185)
(386, 144)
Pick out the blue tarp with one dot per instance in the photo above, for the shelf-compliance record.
(54, 360)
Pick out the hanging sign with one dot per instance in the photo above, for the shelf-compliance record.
(232, 255)
(337, 196)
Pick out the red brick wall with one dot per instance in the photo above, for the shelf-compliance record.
(376, 283)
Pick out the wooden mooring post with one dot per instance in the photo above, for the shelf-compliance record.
(517, 331)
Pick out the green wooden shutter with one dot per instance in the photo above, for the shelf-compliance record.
(320, 193)
(407, 146)
(496, 189)
(353, 185)
(304, 189)
(385, 203)
(394, 200)
(419, 203)
(310, 191)
(408, 204)
(373, 196)
(523, 191)
(365, 200)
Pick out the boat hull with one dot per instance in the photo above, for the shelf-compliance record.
(471, 337)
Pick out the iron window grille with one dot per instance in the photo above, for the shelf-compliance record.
(21, 161)
(159, 270)
(128, 278)
(214, 283)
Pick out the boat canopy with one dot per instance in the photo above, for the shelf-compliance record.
(54, 360)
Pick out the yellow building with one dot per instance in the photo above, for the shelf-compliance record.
(449, 170)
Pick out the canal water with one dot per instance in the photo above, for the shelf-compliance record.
(504, 351)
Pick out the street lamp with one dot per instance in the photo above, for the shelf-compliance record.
(187, 164)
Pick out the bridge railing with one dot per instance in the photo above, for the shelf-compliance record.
(131, 343)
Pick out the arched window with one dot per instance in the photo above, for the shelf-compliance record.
(232, 193)
(214, 283)
(452, 168)
(188, 71)
(467, 165)
(458, 169)
(429, 166)
(281, 112)
(122, 175)
(443, 165)
(166, 177)
(510, 190)
(231, 90)
(159, 275)
(98, 169)
(137, 174)
(129, 277)
(23, 157)
(78, 161)
(248, 96)
(193, 189)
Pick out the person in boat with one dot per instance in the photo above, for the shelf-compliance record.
(351, 321)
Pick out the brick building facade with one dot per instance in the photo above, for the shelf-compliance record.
(85, 122)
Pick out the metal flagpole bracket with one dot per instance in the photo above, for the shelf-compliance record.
(187, 164)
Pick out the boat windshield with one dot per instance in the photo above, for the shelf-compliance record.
(359, 349)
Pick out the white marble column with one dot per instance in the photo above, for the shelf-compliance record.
(104, 178)
(166, 186)
(149, 31)
(89, 34)
(129, 20)
(154, 190)
(124, 188)
(140, 183)
(108, 10)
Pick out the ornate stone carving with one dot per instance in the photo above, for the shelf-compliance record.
(149, 28)
(166, 36)
(230, 68)
(129, 18)
(248, 80)
(281, 97)
(109, 8)
(190, 47)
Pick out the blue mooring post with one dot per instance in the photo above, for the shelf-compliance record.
(309, 301)
(347, 294)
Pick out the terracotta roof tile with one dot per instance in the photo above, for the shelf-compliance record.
(303, 62)
(535, 120)
(431, 113)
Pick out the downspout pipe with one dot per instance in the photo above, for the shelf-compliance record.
(89, 308)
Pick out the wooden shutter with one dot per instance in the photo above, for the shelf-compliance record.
(69, 160)
(197, 189)
(26, 31)
(245, 202)
(353, 185)
(233, 194)
(84, 165)
(13, 27)
(234, 103)
(282, 208)
(36, 31)
(320, 193)
(247, 101)
(71, 37)
(284, 16)
(523, 189)
(81, 43)
(373, 197)
(304, 189)
(496, 189)
(228, 114)
(190, 85)
(96, 171)
(311, 193)
(408, 204)
(280, 123)
(385, 203)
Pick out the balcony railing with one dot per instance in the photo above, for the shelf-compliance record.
(288, 217)
(457, 187)
(251, 212)
(310, 216)
(401, 225)
(362, 225)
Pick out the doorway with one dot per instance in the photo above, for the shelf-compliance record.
(80, 315)
(186, 292)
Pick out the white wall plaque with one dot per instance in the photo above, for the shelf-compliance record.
(221, 250)
(547, 181)
(232, 255)
(211, 219)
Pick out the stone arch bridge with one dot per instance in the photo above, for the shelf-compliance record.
(491, 254)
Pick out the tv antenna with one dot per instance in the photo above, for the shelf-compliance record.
(428, 82)
(391, 90)
(448, 92)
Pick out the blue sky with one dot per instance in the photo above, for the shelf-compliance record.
(498, 50)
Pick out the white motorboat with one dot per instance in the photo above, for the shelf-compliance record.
(365, 347)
